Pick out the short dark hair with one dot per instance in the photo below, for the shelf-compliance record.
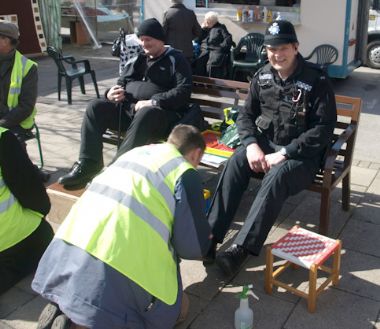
(186, 138)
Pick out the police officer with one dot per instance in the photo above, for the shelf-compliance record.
(285, 126)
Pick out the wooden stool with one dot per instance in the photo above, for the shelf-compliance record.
(309, 250)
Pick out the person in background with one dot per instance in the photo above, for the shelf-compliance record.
(181, 27)
(215, 43)
(24, 233)
(150, 97)
(18, 82)
(285, 127)
(114, 262)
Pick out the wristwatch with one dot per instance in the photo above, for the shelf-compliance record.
(283, 152)
(154, 102)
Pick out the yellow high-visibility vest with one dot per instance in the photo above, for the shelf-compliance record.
(20, 69)
(16, 222)
(125, 218)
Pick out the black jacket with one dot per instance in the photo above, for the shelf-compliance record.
(181, 27)
(298, 113)
(166, 79)
(216, 42)
(21, 176)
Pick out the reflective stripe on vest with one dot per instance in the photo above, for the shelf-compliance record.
(20, 69)
(125, 218)
(16, 222)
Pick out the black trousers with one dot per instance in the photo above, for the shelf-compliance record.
(22, 259)
(286, 179)
(148, 125)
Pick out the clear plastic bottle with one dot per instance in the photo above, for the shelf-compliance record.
(244, 314)
(265, 14)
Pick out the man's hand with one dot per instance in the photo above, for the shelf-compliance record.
(116, 94)
(256, 158)
(274, 158)
(140, 104)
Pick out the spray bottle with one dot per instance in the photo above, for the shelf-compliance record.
(244, 314)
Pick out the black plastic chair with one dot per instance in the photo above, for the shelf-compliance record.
(69, 69)
(248, 54)
(323, 55)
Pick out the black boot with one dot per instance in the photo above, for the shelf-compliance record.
(80, 174)
(231, 259)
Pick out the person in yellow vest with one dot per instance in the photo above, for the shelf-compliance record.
(113, 263)
(18, 83)
(24, 234)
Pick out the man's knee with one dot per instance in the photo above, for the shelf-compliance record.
(150, 116)
(96, 107)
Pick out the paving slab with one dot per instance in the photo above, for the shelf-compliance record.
(362, 237)
(26, 317)
(363, 176)
(197, 306)
(306, 214)
(220, 313)
(368, 210)
(374, 188)
(14, 299)
(360, 274)
(335, 310)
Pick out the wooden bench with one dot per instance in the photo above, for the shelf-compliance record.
(215, 94)
(212, 94)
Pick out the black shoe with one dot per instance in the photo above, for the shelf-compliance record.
(211, 254)
(231, 260)
(80, 174)
(47, 316)
(61, 322)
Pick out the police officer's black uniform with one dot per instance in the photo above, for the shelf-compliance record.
(297, 115)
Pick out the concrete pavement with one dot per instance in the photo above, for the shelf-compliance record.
(354, 303)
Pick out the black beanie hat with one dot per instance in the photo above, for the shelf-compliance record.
(152, 28)
(280, 32)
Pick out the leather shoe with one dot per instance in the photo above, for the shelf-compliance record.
(80, 174)
(230, 260)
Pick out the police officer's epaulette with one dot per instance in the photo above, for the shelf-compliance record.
(261, 69)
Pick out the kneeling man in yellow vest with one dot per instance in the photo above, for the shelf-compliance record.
(114, 261)
(24, 234)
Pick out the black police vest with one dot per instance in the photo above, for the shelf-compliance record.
(285, 106)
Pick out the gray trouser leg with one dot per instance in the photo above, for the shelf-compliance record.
(146, 313)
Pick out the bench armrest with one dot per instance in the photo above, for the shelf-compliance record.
(337, 146)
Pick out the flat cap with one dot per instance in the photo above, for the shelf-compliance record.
(9, 30)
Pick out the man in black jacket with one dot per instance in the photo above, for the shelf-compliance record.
(181, 27)
(285, 126)
(150, 97)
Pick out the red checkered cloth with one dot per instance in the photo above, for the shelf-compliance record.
(304, 248)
